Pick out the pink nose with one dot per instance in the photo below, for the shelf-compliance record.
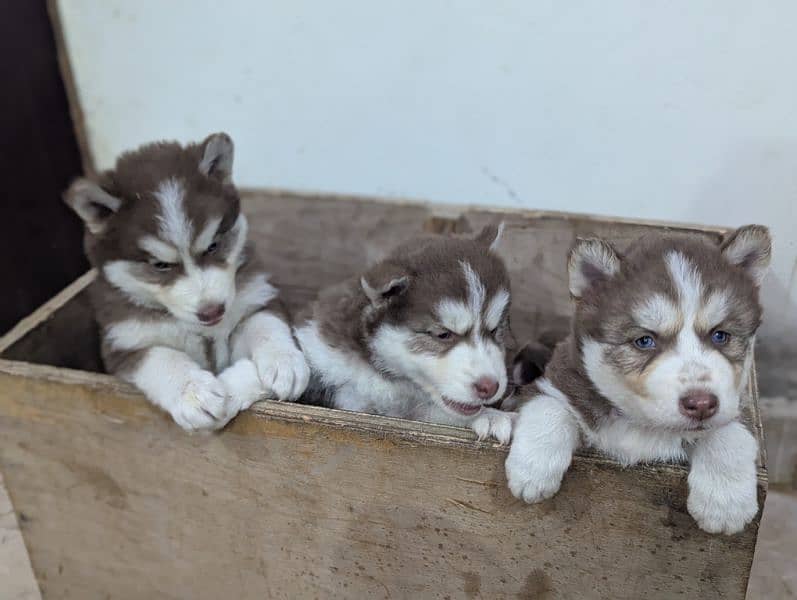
(485, 387)
(699, 404)
(210, 314)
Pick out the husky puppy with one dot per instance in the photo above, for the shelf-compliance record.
(186, 313)
(660, 350)
(418, 336)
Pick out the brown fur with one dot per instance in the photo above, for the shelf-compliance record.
(134, 179)
(431, 268)
(604, 312)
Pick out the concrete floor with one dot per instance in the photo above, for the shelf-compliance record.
(774, 575)
(16, 577)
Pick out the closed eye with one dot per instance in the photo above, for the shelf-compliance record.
(442, 334)
(211, 249)
(162, 266)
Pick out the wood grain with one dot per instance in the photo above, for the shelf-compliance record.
(299, 502)
(296, 502)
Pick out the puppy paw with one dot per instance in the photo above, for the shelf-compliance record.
(722, 507)
(202, 403)
(242, 382)
(530, 480)
(284, 372)
(494, 423)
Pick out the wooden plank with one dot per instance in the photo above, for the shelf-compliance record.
(46, 311)
(294, 501)
(310, 242)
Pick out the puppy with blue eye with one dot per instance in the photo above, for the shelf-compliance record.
(186, 312)
(659, 353)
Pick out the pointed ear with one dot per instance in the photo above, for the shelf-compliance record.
(591, 261)
(92, 204)
(217, 156)
(384, 283)
(490, 236)
(749, 247)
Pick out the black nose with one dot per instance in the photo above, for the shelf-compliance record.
(210, 314)
(699, 404)
(485, 387)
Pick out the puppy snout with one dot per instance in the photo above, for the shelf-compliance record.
(210, 314)
(485, 387)
(699, 404)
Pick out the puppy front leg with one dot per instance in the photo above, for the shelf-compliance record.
(723, 495)
(171, 380)
(545, 437)
(266, 339)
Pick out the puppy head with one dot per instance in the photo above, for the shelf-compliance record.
(438, 311)
(666, 331)
(164, 227)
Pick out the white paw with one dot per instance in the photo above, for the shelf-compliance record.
(284, 372)
(532, 480)
(494, 423)
(243, 385)
(202, 403)
(722, 507)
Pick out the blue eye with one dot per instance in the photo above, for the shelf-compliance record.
(646, 342)
(720, 337)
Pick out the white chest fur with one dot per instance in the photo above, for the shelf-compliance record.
(630, 443)
(208, 347)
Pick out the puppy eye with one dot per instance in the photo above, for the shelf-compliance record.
(162, 266)
(494, 331)
(442, 335)
(646, 342)
(720, 338)
(211, 249)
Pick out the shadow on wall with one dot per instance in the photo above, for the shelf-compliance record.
(758, 184)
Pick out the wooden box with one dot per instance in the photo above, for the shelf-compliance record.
(291, 501)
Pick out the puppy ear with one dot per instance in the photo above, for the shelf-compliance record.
(490, 236)
(384, 283)
(590, 262)
(92, 204)
(750, 248)
(217, 156)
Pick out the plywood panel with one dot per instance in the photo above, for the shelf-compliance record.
(301, 502)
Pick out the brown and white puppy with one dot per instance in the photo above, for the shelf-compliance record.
(186, 314)
(418, 336)
(660, 350)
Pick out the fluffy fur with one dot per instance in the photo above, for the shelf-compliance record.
(660, 351)
(186, 314)
(418, 336)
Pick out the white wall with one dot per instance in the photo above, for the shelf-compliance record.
(683, 110)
